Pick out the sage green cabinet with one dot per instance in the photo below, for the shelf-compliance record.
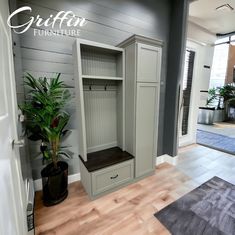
(148, 63)
(146, 127)
(100, 182)
(111, 177)
(143, 70)
(117, 98)
(100, 100)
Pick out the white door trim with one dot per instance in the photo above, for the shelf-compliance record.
(13, 209)
(190, 138)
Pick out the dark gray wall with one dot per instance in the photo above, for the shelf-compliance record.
(110, 22)
(176, 51)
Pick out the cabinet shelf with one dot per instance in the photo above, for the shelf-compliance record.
(102, 77)
(104, 158)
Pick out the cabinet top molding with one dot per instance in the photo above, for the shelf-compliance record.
(99, 45)
(140, 39)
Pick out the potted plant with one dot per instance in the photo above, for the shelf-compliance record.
(206, 114)
(231, 110)
(219, 114)
(45, 121)
(227, 92)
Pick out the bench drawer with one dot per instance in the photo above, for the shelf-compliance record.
(110, 177)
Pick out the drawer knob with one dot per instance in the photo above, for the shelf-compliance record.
(114, 177)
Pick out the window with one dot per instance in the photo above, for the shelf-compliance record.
(219, 65)
(187, 87)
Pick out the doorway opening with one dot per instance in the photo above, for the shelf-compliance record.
(216, 118)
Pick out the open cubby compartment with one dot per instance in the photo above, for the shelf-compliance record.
(101, 62)
(104, 114)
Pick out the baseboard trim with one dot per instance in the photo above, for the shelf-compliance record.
(71, 179)
(166, 158)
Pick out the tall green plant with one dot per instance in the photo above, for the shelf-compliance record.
(211, 96)
(45, 114)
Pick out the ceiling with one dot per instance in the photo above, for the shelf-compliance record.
(204, 13)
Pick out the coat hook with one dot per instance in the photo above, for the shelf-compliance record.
(90, 87)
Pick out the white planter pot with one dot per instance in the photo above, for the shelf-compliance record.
(219, 115)
(206, 115)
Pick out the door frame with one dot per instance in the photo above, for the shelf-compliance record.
(12, 158)
(190, 138)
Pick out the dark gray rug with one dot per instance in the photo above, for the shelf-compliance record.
(207, 210)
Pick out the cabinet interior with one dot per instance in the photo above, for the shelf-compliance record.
(103, 104)
(101, 62)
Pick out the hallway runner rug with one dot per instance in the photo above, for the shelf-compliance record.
(216, 141)
(207, 210)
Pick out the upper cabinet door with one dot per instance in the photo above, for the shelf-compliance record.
(80, 101)
(148, 63)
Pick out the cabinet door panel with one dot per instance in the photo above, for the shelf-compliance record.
(149, 63)
(146, 127)
(80, 101)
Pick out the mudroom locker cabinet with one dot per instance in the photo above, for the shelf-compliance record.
(143, 71)
(117, 111)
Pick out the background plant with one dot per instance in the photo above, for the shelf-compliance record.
(223, 94)
(211, 96)
(227, 91)
(45, 115)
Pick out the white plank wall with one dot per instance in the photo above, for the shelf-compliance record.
(108, 21)
(101, 118)
(100, 64)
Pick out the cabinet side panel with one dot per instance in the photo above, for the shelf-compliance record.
(120, 65)
(79, 101)
(120, 121)
(130, 87)
(85, 178)
(121, 101)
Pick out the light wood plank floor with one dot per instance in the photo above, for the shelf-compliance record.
(130, 210)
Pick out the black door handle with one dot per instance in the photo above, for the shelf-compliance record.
(114, 177)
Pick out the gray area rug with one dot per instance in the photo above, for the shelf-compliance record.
(207, 210)
(216, 141)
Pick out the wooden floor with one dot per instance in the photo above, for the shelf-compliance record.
(129, 210)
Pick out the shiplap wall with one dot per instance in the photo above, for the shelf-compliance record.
(103, 105)
(108, 21)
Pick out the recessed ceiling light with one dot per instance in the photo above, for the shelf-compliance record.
(225, 7)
